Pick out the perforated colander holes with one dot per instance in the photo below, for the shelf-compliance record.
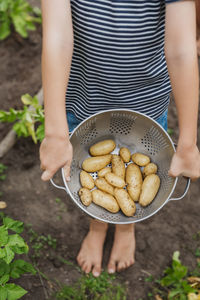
(166, 180)
(94, 175)
(87, 132)
(109, 217)
(88, 137)
(74, 168)
(154, 141)
(139, 212)
(121, 125)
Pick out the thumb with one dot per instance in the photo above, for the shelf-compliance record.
(174, 171)
(66, 169)
(46, 175)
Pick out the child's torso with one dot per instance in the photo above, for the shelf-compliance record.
(118, 57)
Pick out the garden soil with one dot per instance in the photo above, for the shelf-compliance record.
(34, 202)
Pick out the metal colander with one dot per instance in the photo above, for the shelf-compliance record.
(138, 133)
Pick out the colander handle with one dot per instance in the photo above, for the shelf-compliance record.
(58, 186)
(185, 191)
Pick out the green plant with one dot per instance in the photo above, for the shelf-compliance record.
(170, 131)
(26, 119)
(197, 252)
(11, 244)
(39, 242)
(2, 171)
(18, 14)
(89, 287)
(175, 285)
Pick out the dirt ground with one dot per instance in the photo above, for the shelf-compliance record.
(33, 201)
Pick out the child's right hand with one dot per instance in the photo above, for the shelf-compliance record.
(55, 153)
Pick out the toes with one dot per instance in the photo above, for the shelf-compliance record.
(130, 263)
(111, 267)
(96, 270)
(80, 260)
(86, 267)
(121, 266)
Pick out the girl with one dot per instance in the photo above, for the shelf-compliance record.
(117, 54)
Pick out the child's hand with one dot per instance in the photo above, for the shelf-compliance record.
(186, 162)
(55, 152)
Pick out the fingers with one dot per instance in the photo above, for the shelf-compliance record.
(174, 173)
(47, 175)
(66, 169)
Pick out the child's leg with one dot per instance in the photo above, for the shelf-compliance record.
(123, 250)
(91, 252)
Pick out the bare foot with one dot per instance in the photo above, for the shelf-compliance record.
(123, 250)
(91, 252)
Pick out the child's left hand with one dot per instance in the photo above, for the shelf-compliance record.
(186, 162)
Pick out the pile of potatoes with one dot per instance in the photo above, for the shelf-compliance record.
(118, 187)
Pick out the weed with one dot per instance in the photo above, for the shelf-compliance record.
(170, 131)
(175, 284)
(3, 168)
(90, 287)
(26, 119)
(18, 14)
(197, 252)
(149, 278)
(39, 242)
(61, 208)
(11, 244)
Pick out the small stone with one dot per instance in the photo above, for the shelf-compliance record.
(3, 205)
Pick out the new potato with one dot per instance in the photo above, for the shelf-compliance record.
(151, 168)
(125, 154)
(140, 159)
(126, 204)
(104, 171)
(118, 166)
(105, 200)
(85, 196)
(134, 181)
(102, 148)
(103, 185)
(94, 164)
(86, 180)
(150, 188)
(115, 180)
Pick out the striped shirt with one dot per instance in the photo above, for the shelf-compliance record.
(118, 59)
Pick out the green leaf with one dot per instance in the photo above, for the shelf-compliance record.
(19, 24)
(4, 268)
(16, 240)
(175, 256)
(3, 5)
(9, 255)
(3, 293)
(173, 293)
(14, 291)
(3, 236)
(4, 30)
(27, 99)
(20, 250)
(31, 131)
(19, 267)
(16, 226)
(40, 132)
(4, 279)
(2, 253)
(37, 11)
(197, 252)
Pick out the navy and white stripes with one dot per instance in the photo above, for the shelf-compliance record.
(118, 59)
